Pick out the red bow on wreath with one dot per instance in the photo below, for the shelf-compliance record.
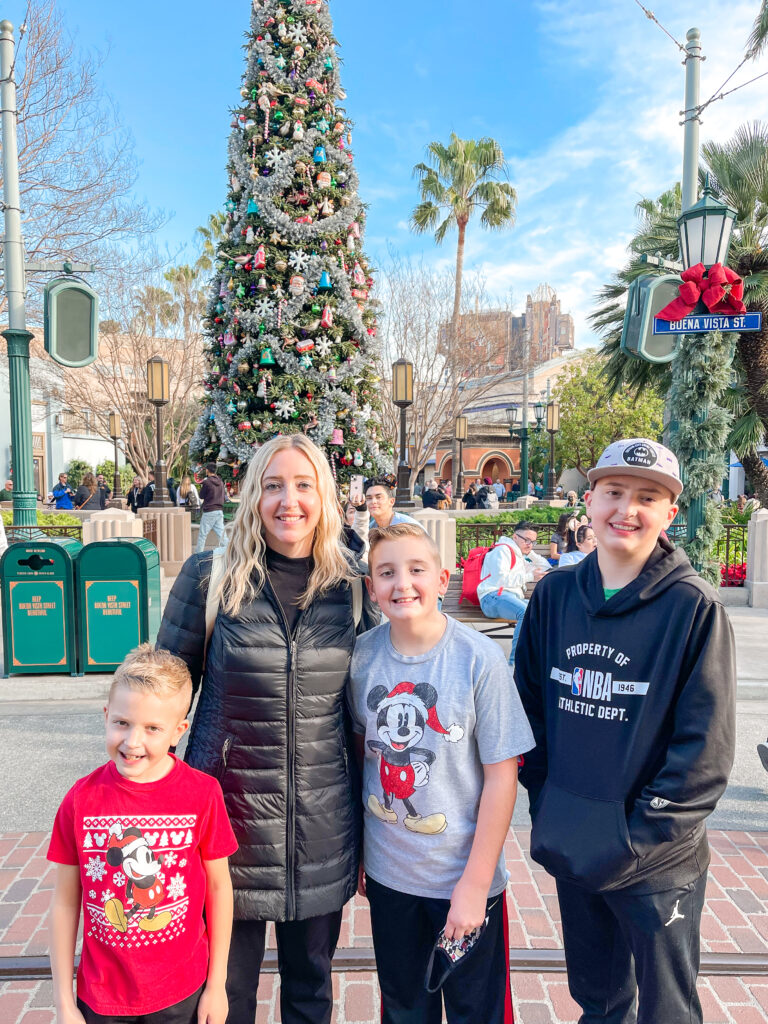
(720, 290)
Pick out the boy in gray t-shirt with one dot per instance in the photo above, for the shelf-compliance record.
(441, 727)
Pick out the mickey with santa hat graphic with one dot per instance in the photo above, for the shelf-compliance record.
(130, 851)
(403, 714)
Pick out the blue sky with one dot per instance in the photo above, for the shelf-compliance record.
(583, 96)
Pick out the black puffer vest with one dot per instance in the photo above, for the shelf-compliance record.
(271, 726)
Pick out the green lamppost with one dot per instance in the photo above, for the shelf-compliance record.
(705, 237)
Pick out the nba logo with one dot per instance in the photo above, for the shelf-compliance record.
(577, 681)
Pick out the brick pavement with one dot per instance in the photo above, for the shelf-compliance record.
(735, 921)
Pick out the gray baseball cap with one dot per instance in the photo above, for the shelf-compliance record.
(639, 456)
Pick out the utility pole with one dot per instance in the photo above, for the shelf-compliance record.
(17, 335)
(690, 191)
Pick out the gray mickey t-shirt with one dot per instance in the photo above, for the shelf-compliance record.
(430, 722)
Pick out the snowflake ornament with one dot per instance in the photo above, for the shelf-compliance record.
(298, 260)
(263, 309)
(323, 346)
(284, 408)
(274, 157)
(297, 34)
(177, 887)
(95, 869)
(366, 412)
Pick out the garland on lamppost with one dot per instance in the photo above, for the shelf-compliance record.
(290, 326)
(701, 373)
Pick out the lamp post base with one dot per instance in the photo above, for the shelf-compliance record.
(403, 492)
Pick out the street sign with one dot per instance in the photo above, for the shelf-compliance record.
(701, 324)
(71, 319)
(647, 296)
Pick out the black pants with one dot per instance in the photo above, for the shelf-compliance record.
(304, 953)
(604, 932)
(405, 928)
(184, 1012)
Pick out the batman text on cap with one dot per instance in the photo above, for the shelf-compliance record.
(640, 455)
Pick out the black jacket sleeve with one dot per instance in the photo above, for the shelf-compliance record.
(182, 631)
(700, 753)
(529, 677)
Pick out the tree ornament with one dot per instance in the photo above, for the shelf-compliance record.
(325, 284)
(231, 284)
(337, 436)
(305, 346)
(324, 179)
(298, 260)
(284, 408)
(253, 206)
(296, 284)
(346, 459)
(249, 235)
(260, 258)
(357, 274)
(358, 460)
(298, 131)
(319, 154)
(266, 358)
(305, 362)
(262, 285)
(327, 318)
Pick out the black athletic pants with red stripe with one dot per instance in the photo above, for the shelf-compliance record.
(405, 929)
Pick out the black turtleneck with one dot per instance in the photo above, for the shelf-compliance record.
(289, 578)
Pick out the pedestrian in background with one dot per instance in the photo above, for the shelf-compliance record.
(213, 494)
(149, 491)
(186, 495)
(136, 495)
(88, 495)
(105, 491)
(62, 493)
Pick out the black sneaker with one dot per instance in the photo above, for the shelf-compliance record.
(762, 749)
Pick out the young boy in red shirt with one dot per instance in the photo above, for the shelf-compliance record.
(141, 846)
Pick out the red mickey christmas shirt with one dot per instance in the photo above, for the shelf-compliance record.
(145, 945)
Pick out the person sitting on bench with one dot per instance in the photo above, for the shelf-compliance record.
(507, 569)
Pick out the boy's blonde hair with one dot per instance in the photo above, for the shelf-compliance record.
(398, 532)
(158, 672)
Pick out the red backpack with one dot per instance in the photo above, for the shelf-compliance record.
(473, 569)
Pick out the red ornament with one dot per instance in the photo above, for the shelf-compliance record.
(721, 290)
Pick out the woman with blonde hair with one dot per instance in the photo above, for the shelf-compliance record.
(186, 494)
(271, 721)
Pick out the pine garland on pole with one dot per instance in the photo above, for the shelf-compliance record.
(701, 373)
(290, 327)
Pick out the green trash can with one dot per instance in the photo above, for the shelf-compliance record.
(118, 600)
(38, 594)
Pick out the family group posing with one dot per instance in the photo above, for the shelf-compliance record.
(330, 754)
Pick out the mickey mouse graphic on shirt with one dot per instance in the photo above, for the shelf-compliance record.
(130, 851)
(402, 716)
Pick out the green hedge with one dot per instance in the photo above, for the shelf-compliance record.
(536, 514)
(45, 518)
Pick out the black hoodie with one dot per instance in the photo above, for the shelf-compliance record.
(632, 704)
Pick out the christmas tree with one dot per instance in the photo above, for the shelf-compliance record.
(290, 328)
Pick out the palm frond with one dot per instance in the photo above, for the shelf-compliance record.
(758, 37)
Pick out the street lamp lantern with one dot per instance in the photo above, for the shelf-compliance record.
(512, 416)
(460, 432)
(115, 432)
(158, 393)
(538, 412)
(705, 231)
(553, 425)
(402, 396)
(158, 389)
(402, 383)
(553, 417)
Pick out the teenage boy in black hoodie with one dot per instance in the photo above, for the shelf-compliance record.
(626, 670)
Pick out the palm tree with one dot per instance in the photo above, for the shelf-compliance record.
(740, 170)
(458, 181)
(759, 35)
